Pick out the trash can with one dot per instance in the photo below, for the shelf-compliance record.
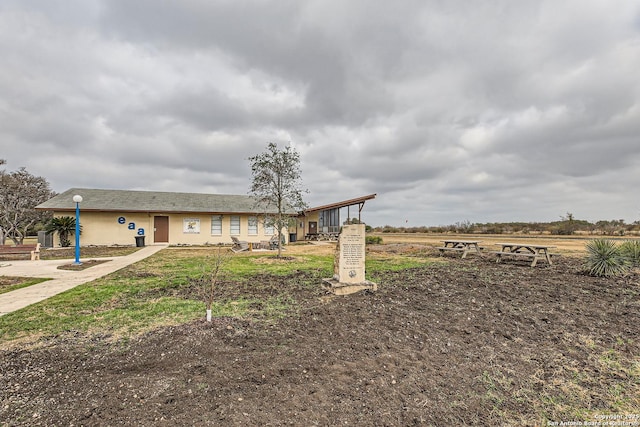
(139, 241)
(292, 237)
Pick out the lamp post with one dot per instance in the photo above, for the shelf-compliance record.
(77, 198)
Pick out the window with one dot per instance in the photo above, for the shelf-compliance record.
(235, 224)
(216, 225)
(268, 228)
(253, 226)
(330, 221)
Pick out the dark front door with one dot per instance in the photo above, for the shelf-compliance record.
(161, 229)
(313, 227)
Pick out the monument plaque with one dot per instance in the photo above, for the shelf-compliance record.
(349, 263)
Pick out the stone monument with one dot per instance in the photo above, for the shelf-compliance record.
(348, 265)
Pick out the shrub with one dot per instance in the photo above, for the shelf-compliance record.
(373, 240)
(631, 250)
(65, 226)
(605, 259)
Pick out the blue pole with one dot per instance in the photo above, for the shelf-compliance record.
(78, 233)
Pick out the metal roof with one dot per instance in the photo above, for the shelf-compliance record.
(153, 201)
(343, 204)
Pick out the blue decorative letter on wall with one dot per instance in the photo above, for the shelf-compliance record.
(131, 226)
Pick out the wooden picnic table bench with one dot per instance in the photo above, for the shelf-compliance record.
(241, 245)
(33, 250)
(464, 246)
(330, 236)
(525, 250)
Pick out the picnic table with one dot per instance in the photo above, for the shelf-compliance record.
(526, 250)
(464, 246)
(322, 236)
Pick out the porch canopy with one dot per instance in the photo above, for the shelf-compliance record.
(344, 204)
(329, 215)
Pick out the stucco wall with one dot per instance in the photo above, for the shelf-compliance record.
(177, 234)
(121, 228)
(108, 228)
(304, 230)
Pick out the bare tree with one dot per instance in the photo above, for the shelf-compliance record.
(212, 272)
(276, 185)
(20, 193)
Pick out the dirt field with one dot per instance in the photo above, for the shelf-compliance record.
(461, 342)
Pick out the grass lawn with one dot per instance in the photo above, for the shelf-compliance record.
(142, 296)
(8, 284)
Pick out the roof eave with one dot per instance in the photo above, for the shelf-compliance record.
(343, 204)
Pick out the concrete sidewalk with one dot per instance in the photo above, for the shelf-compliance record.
(62, 279)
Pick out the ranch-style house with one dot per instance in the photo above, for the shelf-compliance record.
(117, 217)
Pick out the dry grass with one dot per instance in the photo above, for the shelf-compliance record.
(569, 245)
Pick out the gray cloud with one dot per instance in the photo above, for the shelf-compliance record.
(450, 111)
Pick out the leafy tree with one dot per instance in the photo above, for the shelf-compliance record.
(65, 226)
(20, 193)
(612, 227)
(276, 185)
(567, 226)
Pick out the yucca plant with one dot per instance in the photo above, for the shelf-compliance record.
(605, 259)
(631, 250)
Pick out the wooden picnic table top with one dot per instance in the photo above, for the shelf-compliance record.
(461, 241)
(525, 245)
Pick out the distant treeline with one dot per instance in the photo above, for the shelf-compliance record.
(567, 226)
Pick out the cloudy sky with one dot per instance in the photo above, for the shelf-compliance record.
(451, 111)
